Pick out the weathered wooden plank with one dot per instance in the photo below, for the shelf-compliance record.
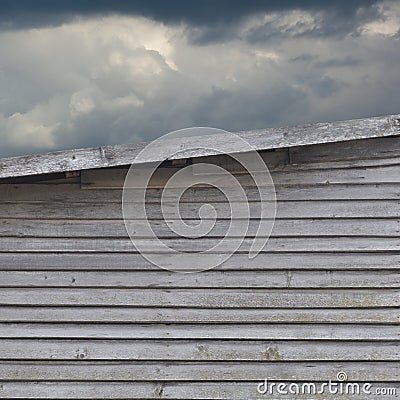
(337, 332)
(264, 261)
(213, 279)
(115, 178)
(74, 194)
(168, 390)
(194, 371)
(285, 209)
(380, 174)
(137, 315)
(272, 138)
(88, 390)
(282, 228)
(334, 192)
(355, 150)
(191, 246)
(352, 154)
(341, 164)
(211, 298)
(210, 350)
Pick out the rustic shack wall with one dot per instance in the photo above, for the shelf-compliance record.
(83, 316)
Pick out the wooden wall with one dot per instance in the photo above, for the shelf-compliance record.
(83, 316)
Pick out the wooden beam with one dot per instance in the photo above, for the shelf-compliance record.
(261, 139)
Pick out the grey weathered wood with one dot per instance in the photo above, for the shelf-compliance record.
(212, 350)
(355, 151)
(354, 154)
(213, 279)
(264, 261)
(191, 246)
(189, 371)
(115, 178)
(338, 332)
(285, 209)
(77, 303)
(150, 315)
(260, 140)
(167, 390)
(90, 390)
(282, 228)
(74, 194)
(208, 298)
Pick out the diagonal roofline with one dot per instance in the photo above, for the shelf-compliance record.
(260, 139)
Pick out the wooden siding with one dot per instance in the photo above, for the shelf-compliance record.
(82, 315)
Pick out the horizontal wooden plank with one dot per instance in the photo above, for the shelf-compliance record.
(168, 390)
(342, 332)
(334, 192)
(264, 261)
(282, 228)
(189, 350)
(351, 154)
(137, 315)
(212, 298)
(115, 178)
(285, 209)
(213, 279)
(376, 174)
(356, 150)
(73, 193)
(360, 163)
(303, 244)
(271, 138)
(88, 390)
(195, 371)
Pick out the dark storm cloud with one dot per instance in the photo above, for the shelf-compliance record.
(28, 13)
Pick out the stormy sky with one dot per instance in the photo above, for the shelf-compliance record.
(90, 73)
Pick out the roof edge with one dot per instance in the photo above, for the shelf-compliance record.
(260, 139)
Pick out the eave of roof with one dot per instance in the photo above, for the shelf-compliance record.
(261, 139)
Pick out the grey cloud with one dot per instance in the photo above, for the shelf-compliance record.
(326, 86)
(99, 81)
